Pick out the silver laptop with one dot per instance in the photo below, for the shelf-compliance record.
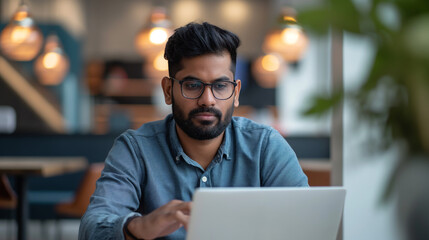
(266, 213)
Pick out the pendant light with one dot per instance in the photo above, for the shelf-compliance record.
(21, 39)
(51, 66)
(288, 39)
(156, 67)
(267, 70)
(153, 37)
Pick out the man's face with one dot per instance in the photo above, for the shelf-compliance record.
(205, 117)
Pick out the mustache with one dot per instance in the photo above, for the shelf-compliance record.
(215, 111)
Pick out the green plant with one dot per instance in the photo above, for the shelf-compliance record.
(399, 74)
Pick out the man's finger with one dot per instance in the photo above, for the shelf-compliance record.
(182, 218)
(185, 207)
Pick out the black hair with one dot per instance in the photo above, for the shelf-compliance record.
(196, 39)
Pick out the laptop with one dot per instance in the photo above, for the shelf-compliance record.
(266, 213)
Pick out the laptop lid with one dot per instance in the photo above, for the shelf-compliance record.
(266, 213)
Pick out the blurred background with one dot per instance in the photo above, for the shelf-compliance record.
(74, 74)
(113, 74)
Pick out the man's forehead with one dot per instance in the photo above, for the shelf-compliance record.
(220, 78)
(212, 62)
(224, 54)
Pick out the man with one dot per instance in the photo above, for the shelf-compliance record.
(151, 173)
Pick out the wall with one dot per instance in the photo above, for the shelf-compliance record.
(366, 170)
(299, 84)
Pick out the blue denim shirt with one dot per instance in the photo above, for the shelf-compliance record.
(147, 168)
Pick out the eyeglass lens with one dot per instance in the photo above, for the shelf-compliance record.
(194, 88)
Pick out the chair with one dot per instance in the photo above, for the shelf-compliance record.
(8, 198)
(318, 172)
(7, 195)
(318, 177)
(77, 206)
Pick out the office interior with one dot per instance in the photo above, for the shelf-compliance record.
(109, 82)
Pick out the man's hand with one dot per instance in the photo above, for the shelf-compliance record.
(161, 221)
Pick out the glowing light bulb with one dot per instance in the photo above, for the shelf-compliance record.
(155, 67)
(290, 43)
(290, 36)
(268, 69)
(270, 63)
(20, 34)
(51, 60)
(21, 40)
(158, 35)
(159, 63)
(152, 38)
(52, 66)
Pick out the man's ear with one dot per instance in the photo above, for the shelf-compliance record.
(167, 88)
(237, 93)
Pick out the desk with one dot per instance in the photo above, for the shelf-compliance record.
(23, 167)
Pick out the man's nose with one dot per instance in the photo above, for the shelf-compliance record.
(207, 98)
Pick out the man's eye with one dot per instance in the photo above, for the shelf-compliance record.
(192, 85)
(220, 86)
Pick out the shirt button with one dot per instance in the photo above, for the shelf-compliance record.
(204, 179)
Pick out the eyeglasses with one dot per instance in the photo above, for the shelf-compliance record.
(193, 89)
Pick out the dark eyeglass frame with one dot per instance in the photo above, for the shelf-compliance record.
(204, 88)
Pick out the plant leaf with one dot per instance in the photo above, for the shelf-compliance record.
(321, 105)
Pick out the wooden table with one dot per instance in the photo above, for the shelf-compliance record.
(23, 167)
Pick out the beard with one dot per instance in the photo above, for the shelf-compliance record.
(206, 129)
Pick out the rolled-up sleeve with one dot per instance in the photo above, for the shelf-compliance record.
(118, 192)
